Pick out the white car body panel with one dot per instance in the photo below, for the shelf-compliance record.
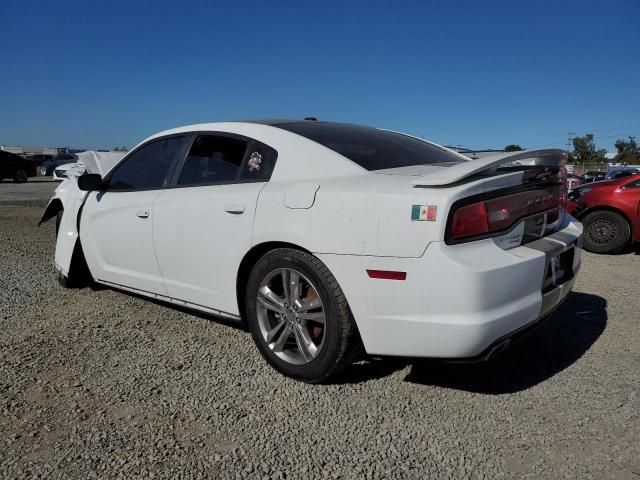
(100, 162)
(455, 301)
(89, 161)
(192, 226)
(185, 245)
(71, 198)
(117, 239)
(62, 172)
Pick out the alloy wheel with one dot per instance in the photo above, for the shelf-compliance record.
(291, 316)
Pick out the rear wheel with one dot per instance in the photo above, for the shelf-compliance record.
(44, 171)
(605, 232)
(299, 317)
(20, 176)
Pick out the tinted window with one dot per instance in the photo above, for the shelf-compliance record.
(213, 159)
(148, 167)
(221, 159)
(371, 148)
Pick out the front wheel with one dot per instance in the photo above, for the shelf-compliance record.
(605, 232)
(299, 317)
(20, 176)
(44, 171)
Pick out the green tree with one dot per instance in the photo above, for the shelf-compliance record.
(513, 147)
(585, 151)
(628, 152)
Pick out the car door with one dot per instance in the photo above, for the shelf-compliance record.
(203, 225)
(116, 227)
(631, 196)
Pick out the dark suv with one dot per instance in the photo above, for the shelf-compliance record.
(16, 167)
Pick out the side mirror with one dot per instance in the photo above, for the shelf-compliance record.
(90, 182)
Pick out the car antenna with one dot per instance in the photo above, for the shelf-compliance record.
(312, 119)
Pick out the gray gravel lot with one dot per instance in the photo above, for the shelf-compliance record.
(96, 383)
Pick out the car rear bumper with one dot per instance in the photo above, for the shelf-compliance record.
(458, 301)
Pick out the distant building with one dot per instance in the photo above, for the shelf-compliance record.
(33, 150)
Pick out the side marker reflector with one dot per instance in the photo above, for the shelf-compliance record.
(387, 275)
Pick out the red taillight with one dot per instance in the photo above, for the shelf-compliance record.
(469, 221)
(498, 214)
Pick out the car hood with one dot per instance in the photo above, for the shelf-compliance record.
(100, 162)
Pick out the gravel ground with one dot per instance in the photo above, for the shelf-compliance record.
(95, 383)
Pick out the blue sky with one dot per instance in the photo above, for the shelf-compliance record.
(474, 73)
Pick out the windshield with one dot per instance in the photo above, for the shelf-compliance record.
(371, 148)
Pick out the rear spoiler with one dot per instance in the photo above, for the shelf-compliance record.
(488, 166)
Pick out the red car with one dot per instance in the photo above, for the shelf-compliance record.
(610, 213)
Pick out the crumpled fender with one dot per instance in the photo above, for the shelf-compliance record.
(70, 199)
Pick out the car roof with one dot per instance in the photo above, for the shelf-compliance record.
(7, 155)
(614, 181)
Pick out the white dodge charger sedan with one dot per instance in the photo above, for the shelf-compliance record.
(328, 239)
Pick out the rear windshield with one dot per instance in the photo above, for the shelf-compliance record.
(372, 148)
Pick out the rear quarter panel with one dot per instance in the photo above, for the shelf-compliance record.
(367, 214)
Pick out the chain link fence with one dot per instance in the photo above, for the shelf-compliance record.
(579, 168)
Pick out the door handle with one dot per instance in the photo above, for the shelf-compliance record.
(142, 213)
(234, 208)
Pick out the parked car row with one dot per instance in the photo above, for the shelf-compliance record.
(610, 174)
(48, 166)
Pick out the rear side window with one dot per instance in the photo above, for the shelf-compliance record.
(149, 167)
(223, 159)
(213, 159)
(371, 148)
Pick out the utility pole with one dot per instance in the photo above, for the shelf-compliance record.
(569, 140)
(571, 135)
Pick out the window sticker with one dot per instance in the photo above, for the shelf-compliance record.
(254, 161)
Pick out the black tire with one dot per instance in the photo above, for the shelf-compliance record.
(341, 345)
(605, 232)
(20, 176)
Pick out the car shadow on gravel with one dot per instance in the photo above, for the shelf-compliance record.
(558, 343)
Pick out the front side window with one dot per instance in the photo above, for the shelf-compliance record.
(223, 159)
(149, 167)
(635, 184)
